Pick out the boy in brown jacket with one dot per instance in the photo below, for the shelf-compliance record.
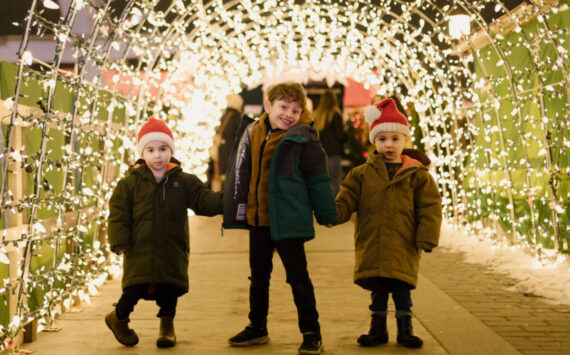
(398, 210)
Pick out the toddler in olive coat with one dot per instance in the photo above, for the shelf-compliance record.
(148, 224)
(398, 208)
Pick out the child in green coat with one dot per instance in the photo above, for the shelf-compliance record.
(277, 177)
(398, 210)
(148, 223)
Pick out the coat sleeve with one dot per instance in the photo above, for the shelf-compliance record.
(428, 211)
(348, 197)
(313, 165)
(120, 220)
(200, 199)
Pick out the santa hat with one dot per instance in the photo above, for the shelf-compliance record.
(385, 117)
(154, 130)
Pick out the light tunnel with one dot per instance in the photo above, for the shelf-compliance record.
(490, 108)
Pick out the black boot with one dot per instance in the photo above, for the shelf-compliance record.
(166, 336)
(121, 330)
(406, 335)
(377, 334)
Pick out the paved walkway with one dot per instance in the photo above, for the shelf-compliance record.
(459, 308)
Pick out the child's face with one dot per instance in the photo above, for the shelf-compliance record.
(283, 114)
(391, 144)
(156, 154)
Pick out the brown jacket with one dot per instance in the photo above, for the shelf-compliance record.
(395, 218)
(263, 144)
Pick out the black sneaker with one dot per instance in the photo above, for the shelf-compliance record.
(250, 336)
(312, 344)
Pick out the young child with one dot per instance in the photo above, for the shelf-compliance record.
(148, 223)
(277, 176)
(398, 210)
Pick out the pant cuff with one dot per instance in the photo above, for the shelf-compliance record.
(402, 313)
(380, 313)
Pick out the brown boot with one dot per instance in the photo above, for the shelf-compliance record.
(121, 330)
(166, 336)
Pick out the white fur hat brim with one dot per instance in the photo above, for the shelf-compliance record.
(388, 127)
(155, 136)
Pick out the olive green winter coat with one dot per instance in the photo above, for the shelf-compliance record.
(150, 220)
(394, 219)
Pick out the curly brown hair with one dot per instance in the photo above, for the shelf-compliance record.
(288, 91)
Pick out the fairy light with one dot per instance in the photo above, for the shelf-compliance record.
(497, 135)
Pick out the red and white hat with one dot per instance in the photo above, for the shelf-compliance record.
(154, 130)
(385, 117)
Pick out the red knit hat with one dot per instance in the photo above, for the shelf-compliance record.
(385, 117)
(154, 130)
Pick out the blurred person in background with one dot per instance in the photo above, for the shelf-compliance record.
(328, 120)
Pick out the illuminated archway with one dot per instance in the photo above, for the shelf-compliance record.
(492, 107)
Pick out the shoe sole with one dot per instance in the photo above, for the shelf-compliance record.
(165, 343)
(255, 341)
(312, 352)
(115, 335)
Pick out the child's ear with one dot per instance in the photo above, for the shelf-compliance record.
(267, 105)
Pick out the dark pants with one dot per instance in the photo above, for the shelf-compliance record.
(292, 253)
(401, 294)
(166, 297)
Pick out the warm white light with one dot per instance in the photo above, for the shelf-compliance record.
(48, 4)
(459, 25)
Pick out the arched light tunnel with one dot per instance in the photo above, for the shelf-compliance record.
(491, 109)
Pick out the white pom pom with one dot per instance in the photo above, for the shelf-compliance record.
(372, 113)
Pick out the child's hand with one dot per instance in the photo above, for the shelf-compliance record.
(122, 251)
(419, 252)
(328, 225)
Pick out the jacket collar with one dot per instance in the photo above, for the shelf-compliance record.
(408, 164)
(140, 167)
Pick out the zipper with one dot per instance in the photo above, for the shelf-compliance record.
(259, 177)
(164, 189)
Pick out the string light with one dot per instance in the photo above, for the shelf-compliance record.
(493, 112)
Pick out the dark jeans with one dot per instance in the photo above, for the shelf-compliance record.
(401, 294)
(292, 253)
(166, 297)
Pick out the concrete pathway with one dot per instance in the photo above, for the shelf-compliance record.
(217, 305)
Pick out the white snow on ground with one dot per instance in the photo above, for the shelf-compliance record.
(551, 281)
